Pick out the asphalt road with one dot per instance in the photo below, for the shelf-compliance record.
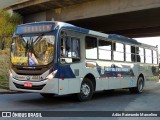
(118, 100)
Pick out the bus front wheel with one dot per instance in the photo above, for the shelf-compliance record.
(86, 90)
(139, 87)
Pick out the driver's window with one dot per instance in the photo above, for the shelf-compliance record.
(69, 49)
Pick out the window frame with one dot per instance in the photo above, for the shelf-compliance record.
(124, 50)
(155, 57)
(71, 37)
(148, 56)
(139, 54)
(128, 53)
(107, 40)
(114, 42)
(96, 47)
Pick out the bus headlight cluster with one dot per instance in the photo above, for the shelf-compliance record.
(10, 73)
(51, 75)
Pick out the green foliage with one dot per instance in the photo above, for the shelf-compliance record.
(8, 22)
(4, 68)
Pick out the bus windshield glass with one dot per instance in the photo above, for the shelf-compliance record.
(32, 50)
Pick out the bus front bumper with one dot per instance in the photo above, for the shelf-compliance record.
(45, 86)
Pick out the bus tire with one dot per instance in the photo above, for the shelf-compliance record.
(47, 95)
(86, 90)
(139, 87)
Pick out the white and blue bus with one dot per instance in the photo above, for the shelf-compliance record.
(56, 58)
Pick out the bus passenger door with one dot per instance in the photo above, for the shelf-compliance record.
(70, 60)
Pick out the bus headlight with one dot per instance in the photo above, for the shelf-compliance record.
(51, 75)
(10, 73)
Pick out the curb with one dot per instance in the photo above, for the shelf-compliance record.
(5, 91)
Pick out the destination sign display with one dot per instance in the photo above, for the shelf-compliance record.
(34, 28)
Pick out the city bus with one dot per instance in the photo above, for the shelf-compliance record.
(57, 58)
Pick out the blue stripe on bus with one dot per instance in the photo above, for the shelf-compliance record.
(64, 71)
(78, 29)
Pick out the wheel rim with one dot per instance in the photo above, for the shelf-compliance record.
(85, 90)
(140, 85)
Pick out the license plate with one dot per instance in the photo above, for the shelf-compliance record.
(27, 84)
(32, 78)
(35, 77)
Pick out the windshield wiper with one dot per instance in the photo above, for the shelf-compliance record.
(38, 38)
(23, 41)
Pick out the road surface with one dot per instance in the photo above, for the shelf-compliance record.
(118, 100)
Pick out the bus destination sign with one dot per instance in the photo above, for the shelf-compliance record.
(34, 28)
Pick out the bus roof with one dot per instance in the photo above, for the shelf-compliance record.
(50, 25)
(115, 37)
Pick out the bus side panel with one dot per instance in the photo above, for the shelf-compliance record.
(51, 86)
(117, 74)
(102, 83)
(81, 71)
(74, 85)
(130, 81)
(63, 86)
(69, 86)
(114, 83)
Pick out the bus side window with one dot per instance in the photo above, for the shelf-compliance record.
(137, 55)
(91, 47)
(148, 56)
(75, 49)
(62, 47)
(70, 50)
(118, 53)
(104, 49)
(128, 53)
(155, 57)
(68, 47)
(140, 52)
(133, 51)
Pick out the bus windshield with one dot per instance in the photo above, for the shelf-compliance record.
(32, 50)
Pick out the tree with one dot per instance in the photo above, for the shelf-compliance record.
(8, 23)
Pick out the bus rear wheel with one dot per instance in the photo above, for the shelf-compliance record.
(47, 95)
(86, 90)
(139, 87)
